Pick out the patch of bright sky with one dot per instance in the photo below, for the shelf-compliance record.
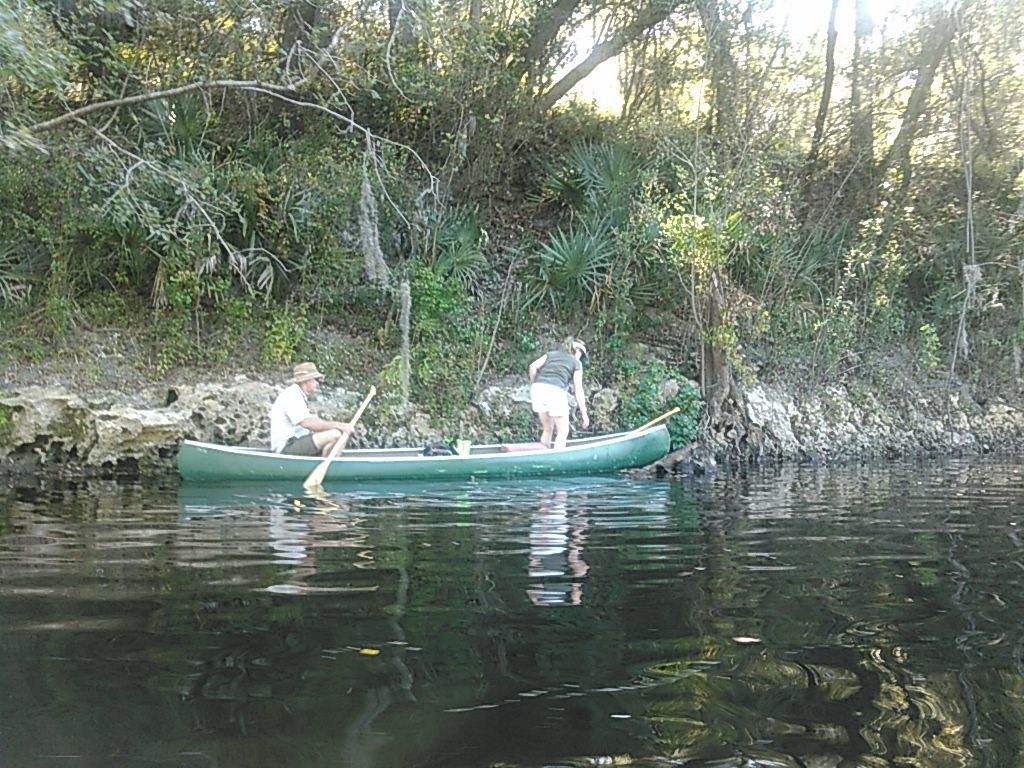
(600, 87)
(804, 21)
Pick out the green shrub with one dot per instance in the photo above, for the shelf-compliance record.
(445, 332)
(522, 425)
(928, 347)
(568, 272)
(282, 334)
(6, 418)
(460, 240)
(642, 400)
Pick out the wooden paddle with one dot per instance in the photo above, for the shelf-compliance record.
(652, 422)
(316, 477)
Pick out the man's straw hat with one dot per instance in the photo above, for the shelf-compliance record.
(304, 372)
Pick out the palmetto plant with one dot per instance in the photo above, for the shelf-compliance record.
(459, 241)
(570, 269)
(15, 284)
(579, 266)
(599, 180)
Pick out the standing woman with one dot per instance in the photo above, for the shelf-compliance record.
(550, 375)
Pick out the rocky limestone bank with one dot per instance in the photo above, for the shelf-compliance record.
(56, 431)
(838, 424)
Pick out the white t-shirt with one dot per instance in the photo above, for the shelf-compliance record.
(288, 410)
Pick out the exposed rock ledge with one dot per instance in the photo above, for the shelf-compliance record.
(836, 424)
(53, 429)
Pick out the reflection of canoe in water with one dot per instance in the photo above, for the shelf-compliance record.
(607, 493)
(210, 462)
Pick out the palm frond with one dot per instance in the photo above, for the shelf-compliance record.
(459, 241)
(15, 275)
(570, 268)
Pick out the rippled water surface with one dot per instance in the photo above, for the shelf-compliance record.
(807, 617)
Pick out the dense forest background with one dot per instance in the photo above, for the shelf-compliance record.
(242, 183)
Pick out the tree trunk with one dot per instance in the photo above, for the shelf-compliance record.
(721, 69)
(401, 14)
(718, 385)
(546, 25)
(927, 63)
(653, 14)
(862, 128)
(300, 17)
(826, 93)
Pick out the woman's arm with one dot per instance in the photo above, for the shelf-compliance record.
(581, 398)
(536, 365)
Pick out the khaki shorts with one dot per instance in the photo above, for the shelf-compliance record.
(301, 446)
(547, 398)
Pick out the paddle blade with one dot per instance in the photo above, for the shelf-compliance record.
(316, 477)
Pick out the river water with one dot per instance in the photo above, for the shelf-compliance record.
(866, 616)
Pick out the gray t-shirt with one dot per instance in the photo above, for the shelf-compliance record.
(558, 369)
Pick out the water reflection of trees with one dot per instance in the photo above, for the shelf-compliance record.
(902, 587)
(806, 616)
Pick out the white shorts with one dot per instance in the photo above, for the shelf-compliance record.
(547, 398)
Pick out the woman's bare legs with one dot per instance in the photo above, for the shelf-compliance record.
(561, 430)
(546, 424)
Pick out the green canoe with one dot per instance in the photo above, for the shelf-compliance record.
(205, 462)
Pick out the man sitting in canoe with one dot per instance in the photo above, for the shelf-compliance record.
(550, 375)
(293, 429)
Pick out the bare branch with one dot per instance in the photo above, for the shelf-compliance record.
(253, 86)
(236, 258)
(141, 98)
(353, 125)
(402, 10)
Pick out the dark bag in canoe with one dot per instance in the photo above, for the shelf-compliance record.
(440, 449)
